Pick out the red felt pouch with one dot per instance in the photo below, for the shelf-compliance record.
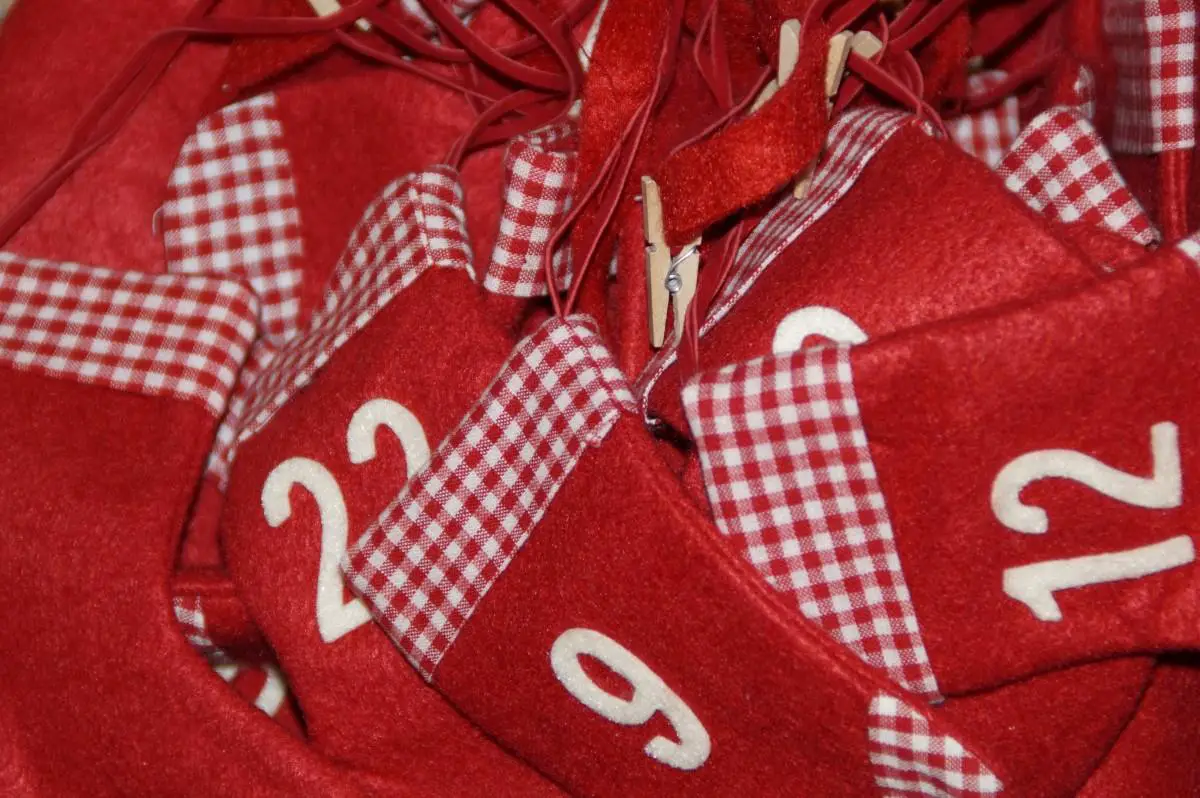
(341, 416)
(111, 385)
(547, 575)
(888, 444)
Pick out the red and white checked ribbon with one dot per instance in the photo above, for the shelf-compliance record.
(159, 335)
(853, 141)
(989, 132)
(270, 695)
(189, 613)
(232, 210)
(789, 474)
(910, 757)
(432, 555)
(415, 224)
(1061, 168)
(540, 173)
(1153, 43)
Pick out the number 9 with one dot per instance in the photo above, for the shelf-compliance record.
(650, 695)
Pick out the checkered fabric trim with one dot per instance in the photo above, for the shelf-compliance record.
(416, 223)
(232, 210)
(1153, 43)
(789, 474)
(909, 758)
(988, 133)
(425, 564)
(853, 141)
(190, 615)
(1061, 168)
(160, 335)
(540, 173)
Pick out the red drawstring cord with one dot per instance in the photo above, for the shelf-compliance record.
(123, 93)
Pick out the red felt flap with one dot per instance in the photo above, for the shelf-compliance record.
(367, 419)
(926, 232)
(1038, 466)
(1155, 755)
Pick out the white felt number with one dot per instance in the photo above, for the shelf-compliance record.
(336, 617)
(360, 435)
(650, 695)
(1163, 489)
(799, 325)
(1034, 585)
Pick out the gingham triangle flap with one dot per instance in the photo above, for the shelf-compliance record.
(415, 224)
(425, 564)
(1061, 168)
(788, 472)
(910, 756)
(539, 177)
(158, 335)
(231, 209)
(1153, 43)
(988, 132)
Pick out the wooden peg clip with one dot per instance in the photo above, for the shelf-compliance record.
(327, 8)
(667, 284)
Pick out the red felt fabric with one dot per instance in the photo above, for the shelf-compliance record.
(752, 158)
(622, 551)
(361, 701)
(102, 214)
(947, 408)
(926, 232)
(1155, 755)
(102, 692)
(226, 622)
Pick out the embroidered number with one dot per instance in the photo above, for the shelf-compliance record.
(1034, 585)
(650, 695)
(336, 617)
(818, 320)
(1162, 490)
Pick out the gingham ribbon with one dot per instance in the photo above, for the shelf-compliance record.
(232, 210)
(853, 141)
(792, 485)
(1060, 168)
(909, 757)
(1153, 43)
(415, 224)
(540, 175)
(159, 335)
(189, 614)
(989, 132)
(432, 555)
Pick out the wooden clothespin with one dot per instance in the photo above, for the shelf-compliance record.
(326, 8)
(841, 45)
(669, 281)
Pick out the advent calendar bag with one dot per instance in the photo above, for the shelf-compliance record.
(112, 383)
